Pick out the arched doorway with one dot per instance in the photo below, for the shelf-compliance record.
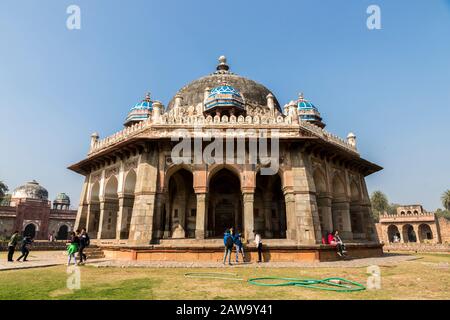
(93, 222)
(269, 207)
(63, 233)
(181, 207)
(225, 203)
(127, 204)
(425, 233)
(30, 230)
(393, 233)
(409, 235)
(110, 209)
(323, 199)
(356, 216)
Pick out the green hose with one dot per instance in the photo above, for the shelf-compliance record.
(329, 284)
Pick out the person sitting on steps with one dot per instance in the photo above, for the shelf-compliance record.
(335, 240)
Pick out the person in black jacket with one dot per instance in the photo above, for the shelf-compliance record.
(12, 245)
(84, 242)
(26, 243)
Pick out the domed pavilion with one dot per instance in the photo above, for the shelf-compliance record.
(162, 187)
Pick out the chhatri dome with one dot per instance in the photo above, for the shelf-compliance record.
(224, 98)
(30, 190)
(308, 111)
(62, 201)
(141, 111)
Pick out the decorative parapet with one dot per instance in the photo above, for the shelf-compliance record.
(199, 120)
(420, 216)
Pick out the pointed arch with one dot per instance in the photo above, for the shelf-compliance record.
(109, 207)
(126, 203)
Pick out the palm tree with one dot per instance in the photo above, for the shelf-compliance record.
(380, 204)
(446, 199)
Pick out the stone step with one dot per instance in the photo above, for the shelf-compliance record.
(94, 252)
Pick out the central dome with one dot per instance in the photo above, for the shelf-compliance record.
(252, 92)
(30, 190)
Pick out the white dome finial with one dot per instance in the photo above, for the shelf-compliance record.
(223, 64)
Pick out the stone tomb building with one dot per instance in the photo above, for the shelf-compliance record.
(31, 213)
(141, 203)
(412, 224)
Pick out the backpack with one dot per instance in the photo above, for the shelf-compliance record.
(229, 242)
(87, 241)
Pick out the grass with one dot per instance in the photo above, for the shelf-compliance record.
(425, 278)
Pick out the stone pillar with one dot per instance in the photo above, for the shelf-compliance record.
(435, 233)
(291, 221)
(416, 232)
(124, 216)
(201, 218)
(304, 216)
(159, 228)
(324, 207)
(82, 213)
(168, 221)
(141, 227)
(248, 199)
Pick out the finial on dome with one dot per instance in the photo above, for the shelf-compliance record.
(147, 97)
(301, 96)
(223, 64)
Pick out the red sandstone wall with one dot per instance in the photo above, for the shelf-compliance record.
(444, 226)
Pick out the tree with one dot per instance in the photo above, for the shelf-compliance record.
(392, 209)
(443, 213)
(3, 189)
(380, 204)
(446, 199)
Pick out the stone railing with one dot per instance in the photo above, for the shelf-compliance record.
(119, 136)
(195, 120)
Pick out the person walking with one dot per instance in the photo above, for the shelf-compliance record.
(258, 243)
(12, 245)
(72, 248)
(239, 247)
(228, 243)
(25, 249)
(84, 242)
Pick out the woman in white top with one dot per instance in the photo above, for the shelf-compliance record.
(258, 243)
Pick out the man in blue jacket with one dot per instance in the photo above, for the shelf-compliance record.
(239, 247)
(228, 243)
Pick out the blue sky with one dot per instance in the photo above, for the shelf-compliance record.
(391, 87)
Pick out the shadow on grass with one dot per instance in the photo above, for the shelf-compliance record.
(132, 289)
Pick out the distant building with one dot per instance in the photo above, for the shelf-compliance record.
(30, 212)
(411, 224)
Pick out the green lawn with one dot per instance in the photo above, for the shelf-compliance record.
(425, 278)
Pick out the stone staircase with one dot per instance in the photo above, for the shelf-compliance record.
(94, 252)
